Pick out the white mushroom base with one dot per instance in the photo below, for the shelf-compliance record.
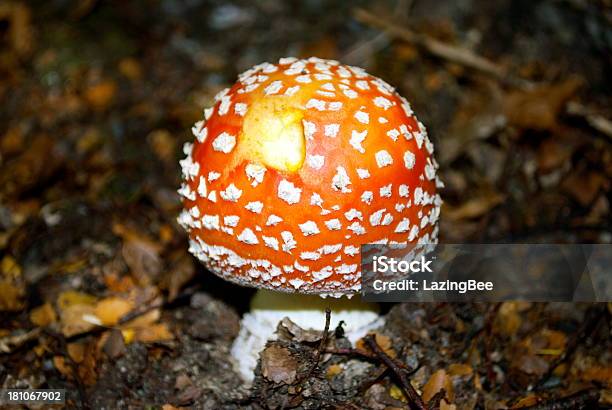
(307, 311)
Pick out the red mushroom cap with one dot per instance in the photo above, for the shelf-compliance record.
(297, 165)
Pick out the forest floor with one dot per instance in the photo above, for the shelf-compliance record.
(99, 296)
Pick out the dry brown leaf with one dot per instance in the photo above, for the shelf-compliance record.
(111, 309)
(438, 381)
(180, 274)
(584, 186)
(87, 367)
(474, 207)
(291, 331)
(526, 401)
(597, 374)
(508, 320)
(278, 365)
(553, 153)
(554, 338)
(27, 170)
(531, 364)
(43, 315)
(540, 107)
(141, 254)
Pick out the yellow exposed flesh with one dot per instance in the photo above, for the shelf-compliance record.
(273, 134)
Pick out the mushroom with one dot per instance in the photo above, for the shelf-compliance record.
(293, 168)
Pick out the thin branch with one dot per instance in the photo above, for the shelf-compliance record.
(10, 343)
(353, 352)
(591, 318)
(320, 348)
(596, 121)
(411, 393)
(458, 55)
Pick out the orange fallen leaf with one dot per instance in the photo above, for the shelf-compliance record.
(10, 296)
(100, 96)
(10, 268)
(43, 315)
(72, 297)
(383, 341)
(62, 366)
(597, 374)
(128, 335)
(460, 369)
(76, 351)
(110, 310)
(154, 333)
(333, 370)
(74, 319)
(118, 284)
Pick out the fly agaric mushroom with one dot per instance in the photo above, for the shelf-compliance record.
(293, 168)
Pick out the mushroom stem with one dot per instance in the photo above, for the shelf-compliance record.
(268, 308)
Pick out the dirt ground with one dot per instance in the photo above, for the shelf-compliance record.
(99, 296)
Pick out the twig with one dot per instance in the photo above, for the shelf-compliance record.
(592, 317)
(320, 348)
(365, 355)
(8, 344)
(597, 122)
(458, 55)
(411, 393)
(434, 402)
(160, 303)
(323, 340)
(586, 399)
(353, 352)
